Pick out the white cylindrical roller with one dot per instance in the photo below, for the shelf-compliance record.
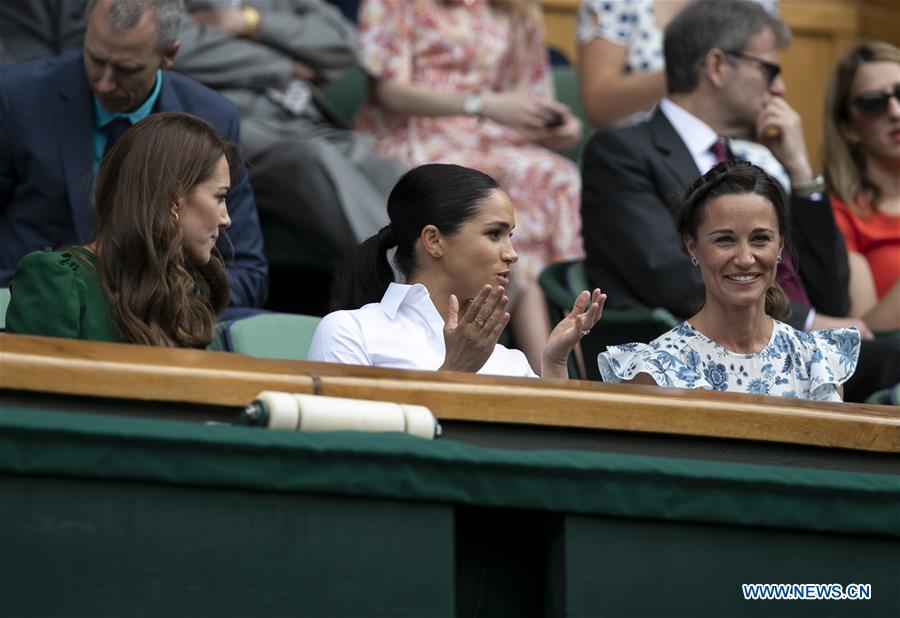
(419, 421)
(340, 414)
(284, 414)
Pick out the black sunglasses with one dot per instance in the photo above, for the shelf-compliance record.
(875, 103)
(772, 70)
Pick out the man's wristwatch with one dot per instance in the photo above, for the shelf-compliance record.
(809, 187)
(473, 105)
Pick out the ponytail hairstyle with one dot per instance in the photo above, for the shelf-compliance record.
(156, 295)
(737, 178)
(442, 195)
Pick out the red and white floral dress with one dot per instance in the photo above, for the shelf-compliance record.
(476, 47)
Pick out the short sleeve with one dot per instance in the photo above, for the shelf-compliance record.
(844, 219)
(46, 297)
(831, 359)
(613, 20)
(339, 339)
(624, 362)
(385, 38)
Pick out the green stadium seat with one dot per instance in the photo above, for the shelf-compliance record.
(272, 335)
(4, 303)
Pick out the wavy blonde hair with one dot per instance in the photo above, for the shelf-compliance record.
(844, 163)
(156, 295)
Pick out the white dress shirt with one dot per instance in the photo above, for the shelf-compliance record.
(403, 331)
(699, 137)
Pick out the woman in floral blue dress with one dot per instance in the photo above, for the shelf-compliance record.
(735, 227)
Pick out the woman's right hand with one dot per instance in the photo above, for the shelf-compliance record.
(518, 110)
(469, 340)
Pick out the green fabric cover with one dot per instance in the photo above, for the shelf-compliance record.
(57, 294)
(408, 468)
(273, 335)
(4, 303)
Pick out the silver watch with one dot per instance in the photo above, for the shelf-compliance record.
(810, 187)
(473, 105)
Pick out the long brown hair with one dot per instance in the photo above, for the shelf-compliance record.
(156, 295)
(737, 178)
(845, 164)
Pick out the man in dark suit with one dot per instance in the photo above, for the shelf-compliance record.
(58, 116)
(723, 80)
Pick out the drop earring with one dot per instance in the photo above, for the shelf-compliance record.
(694, 260)
(778, 259)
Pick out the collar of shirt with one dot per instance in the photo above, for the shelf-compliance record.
(103, 117)
(696, 134)
(414, 296)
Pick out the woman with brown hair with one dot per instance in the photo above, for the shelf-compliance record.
(736, 227)
(862, 169)
(151, 274)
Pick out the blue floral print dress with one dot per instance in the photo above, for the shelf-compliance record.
(793, 364)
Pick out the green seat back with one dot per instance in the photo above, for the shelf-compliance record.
(273, 335)
(562, 282)
(4, 303)
(565, 81)
(347, 94)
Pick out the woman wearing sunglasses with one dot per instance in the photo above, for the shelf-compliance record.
(862, 168)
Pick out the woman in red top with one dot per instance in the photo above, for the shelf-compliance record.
(862, 167)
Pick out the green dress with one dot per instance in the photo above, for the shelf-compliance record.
(58, 294)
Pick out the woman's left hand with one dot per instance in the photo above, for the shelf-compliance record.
(573, 327)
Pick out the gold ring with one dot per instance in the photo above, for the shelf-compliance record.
(480, 322)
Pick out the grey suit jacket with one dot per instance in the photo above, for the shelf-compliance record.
(310, 31)
(35, 29)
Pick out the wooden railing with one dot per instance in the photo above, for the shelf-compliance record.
(68, 367)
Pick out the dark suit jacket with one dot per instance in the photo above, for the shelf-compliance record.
(633, 179)
(46, 128)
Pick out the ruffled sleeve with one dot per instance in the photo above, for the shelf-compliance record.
(832, 354)
(681, 368)
(46, 296)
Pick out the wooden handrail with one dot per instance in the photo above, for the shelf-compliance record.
(63, 366)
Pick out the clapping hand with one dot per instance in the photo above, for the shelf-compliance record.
(572, 328)
(469, 340)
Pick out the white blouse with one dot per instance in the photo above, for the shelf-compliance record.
(403, 331)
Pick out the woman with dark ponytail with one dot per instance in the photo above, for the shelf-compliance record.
(735, 226)
(450, 232)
